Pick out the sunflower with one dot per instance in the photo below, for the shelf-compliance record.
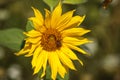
(52, 40)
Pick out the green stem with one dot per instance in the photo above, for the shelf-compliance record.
(51, 9)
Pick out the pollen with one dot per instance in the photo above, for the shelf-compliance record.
(51, 40)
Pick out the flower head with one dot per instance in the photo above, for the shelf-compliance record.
(52, 40)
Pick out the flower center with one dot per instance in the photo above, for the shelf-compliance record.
(51, 40)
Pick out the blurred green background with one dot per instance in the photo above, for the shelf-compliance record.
(104, 62)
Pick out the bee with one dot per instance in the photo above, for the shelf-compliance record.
(105, 3)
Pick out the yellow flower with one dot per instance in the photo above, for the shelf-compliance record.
(52, 40)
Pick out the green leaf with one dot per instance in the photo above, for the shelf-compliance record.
(74, 1)
(12, 38)
(48, 73)
(29, 26)
(65, 78)
(51, 3)
(40, 73)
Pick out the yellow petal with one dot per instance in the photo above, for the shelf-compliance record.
(25, 50)
(33, 33)
(53, 64)
(28, 55)
(76, 48)
(74, 22)
(65, 60)
(75, 41)
(39, 61)
(64, 20)
(44, 63)
(81, 19)
(61, 70)
(56, 15)
(38, 15)
(35, 56)
(37, 20)
(47, 18)
(33, 47)
(33, 40)
(22, 52)
(68, 52)
(74, 32)
(36, 23)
